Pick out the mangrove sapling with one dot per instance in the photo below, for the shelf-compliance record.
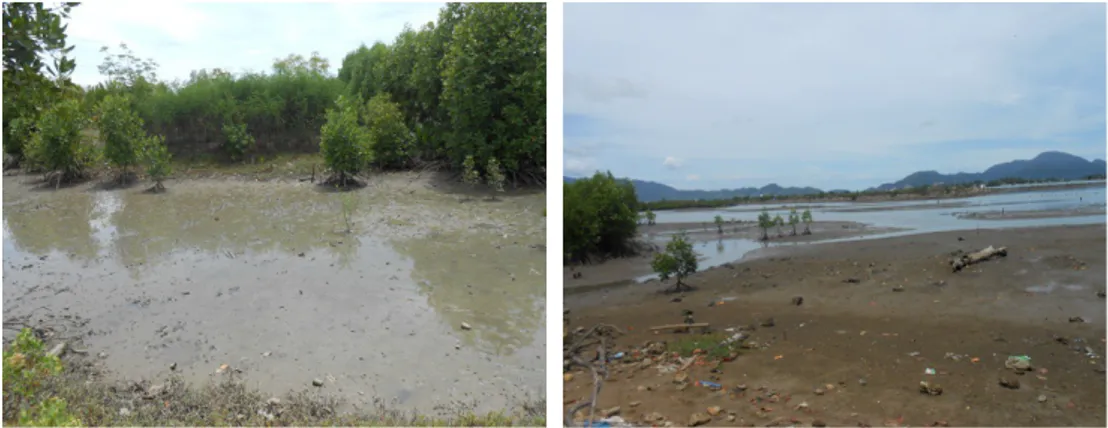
(155, 155)
(347, 207)
(494, 177)
(677, 261)
(806, 217)
(719, 223)
(778, 221)
(470, 176)
(794, 219)
(765, 222)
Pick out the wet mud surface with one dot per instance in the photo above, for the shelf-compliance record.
(284, 283)
(875, 316)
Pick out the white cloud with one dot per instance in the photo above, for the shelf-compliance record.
(184, 36)
(672, 162)
(692, 177)
(578, 166)
(832, 83)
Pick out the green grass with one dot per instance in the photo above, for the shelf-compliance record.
(708, 344)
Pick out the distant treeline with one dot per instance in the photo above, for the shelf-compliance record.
(939, 190)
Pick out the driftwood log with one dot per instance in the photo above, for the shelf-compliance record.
(960, 262)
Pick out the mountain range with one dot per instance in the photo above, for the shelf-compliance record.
(1047, 165)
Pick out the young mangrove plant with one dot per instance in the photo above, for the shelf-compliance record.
(806, 217)
(677, 261)
(765, 222)
(794, 219)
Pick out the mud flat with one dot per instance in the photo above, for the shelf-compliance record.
(623, 271)
(876, 318)
(405, 292)
(1033, 214)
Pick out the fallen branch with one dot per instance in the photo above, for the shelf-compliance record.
(601, 336)
(961, 262)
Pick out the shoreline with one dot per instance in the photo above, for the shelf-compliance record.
(886, 197)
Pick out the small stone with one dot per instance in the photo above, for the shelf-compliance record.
(125, 412)
(173, 366)
(714, 410)
(567, 377)
(317, 382)
(730, 418)
(898, 288)
(698, 419)
(266, 354)
(611, 412)
(802, 406)
(819, 423)
(273, 401)
(930, 389)
(1077, 319)
(466, 326)
(1009, 382)
(102, 355)
(819, 391)
(634, 403)
(862, 382)
(739, 388)
(829, 387)
(1042, 398)
(643, 388)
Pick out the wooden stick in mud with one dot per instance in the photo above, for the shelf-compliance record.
(988, 253)
(677, 326)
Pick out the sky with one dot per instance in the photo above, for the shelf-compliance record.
(835, 96)
(181, 37)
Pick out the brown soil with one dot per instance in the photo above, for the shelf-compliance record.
(868, 308)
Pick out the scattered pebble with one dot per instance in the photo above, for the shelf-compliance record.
(611, 412)
(1009, 382)
(698, 419)
(317, 382)
(634, 403)
(714, 410)
(466, 326)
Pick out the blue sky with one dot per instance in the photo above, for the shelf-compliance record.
(182, 37)
(848, 96)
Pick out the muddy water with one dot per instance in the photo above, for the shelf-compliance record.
(366, 290)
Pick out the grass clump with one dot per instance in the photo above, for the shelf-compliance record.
(710, 344)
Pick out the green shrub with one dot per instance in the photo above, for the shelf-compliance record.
(343, 143)
(121, 131)
(156, 157)
(495, 175)
(56, 146)
(494, 86)
(600, 216)
(470, 175)
(236, 140)
(26, 369)
(677, 261)
(390, 140)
